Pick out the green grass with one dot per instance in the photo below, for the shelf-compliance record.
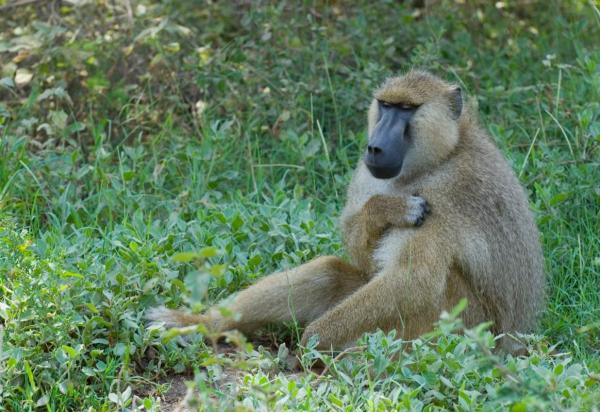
(108, 171)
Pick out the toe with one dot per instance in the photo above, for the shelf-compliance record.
(427, 208)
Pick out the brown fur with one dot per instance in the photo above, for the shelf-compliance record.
(480, 242)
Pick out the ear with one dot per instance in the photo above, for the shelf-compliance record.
(456, 102)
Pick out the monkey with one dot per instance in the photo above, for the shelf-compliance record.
(434, 214)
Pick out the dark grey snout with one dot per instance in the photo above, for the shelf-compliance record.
(388, 143)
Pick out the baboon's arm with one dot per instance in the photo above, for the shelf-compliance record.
(363, 230)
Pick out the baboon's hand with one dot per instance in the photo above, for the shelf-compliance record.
(417, 209)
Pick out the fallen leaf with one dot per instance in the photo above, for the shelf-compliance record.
(22, 55)
(22, 77)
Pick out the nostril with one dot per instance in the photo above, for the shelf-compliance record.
(373, 149)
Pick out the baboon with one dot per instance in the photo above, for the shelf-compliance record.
(434, 214)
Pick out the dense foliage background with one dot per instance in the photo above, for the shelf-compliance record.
(133, 131)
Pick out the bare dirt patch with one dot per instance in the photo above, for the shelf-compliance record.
(178, 396)
(173, 400)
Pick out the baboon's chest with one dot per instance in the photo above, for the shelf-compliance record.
(390, 248)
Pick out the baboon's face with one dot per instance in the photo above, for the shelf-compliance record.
(413, 125)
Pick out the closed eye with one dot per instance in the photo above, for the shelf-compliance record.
(401, 106)
(404, 106)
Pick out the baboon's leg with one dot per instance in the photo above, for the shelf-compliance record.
(300, 294)
(408, 297)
